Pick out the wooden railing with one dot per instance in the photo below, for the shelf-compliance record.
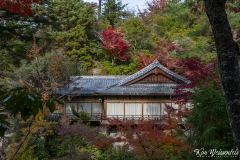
(100, 116)
(134, 117)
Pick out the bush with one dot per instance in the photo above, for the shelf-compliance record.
(113, 153)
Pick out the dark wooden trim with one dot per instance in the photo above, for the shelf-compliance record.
(155, 71)
(105, 106)
(160, 108)
(91, 108)
(124, 108)
(139, 101)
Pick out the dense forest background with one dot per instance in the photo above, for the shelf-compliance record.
(41, 46)
(165, 30)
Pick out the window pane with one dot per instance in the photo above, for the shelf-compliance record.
(151, 108)
(84, 107)
(114, 109)
(97, 108)
(133, 109)
(68, 107)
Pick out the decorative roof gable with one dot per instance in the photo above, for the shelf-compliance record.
(147, 73)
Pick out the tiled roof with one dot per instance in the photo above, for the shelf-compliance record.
(87, 85)
(149, 68)
(139, 89)
(91, 85)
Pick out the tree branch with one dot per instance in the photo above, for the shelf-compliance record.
(140, 141)
(23, 140)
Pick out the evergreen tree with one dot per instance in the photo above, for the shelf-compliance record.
(209, 119)
(16, 35)
(113, 11)
(72, 30)
(207, 122)
(137, 33)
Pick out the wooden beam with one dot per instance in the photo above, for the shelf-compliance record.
(155, 71)
(104, 106)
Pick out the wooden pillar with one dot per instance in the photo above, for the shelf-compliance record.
(123, 109)
(91, 109)
(105, 106)
(160, 109)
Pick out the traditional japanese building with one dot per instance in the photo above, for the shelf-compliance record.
(143, 94)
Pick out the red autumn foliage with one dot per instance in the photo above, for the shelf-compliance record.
(105, 143)
(162, 52)
(153, 7)
(83, 133)
(198, 73)
(94, 5)
(114, 44)
(22, 7)
(149, 140)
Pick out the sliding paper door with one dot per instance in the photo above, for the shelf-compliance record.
(97, 108)
(152, 109)
(84, 107)
(115, 109)
(133, 109)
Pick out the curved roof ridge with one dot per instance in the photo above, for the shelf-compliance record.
(150, 67)
(100, 76)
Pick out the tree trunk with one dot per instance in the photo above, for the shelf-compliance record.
(227, 52)
(99, 8)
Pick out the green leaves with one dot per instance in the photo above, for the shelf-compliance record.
(209, 119)
(22, 100)
(113, 10)
(51, 105)
(3, 123)
(27, 102)
(137, 32)
(72, 29)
